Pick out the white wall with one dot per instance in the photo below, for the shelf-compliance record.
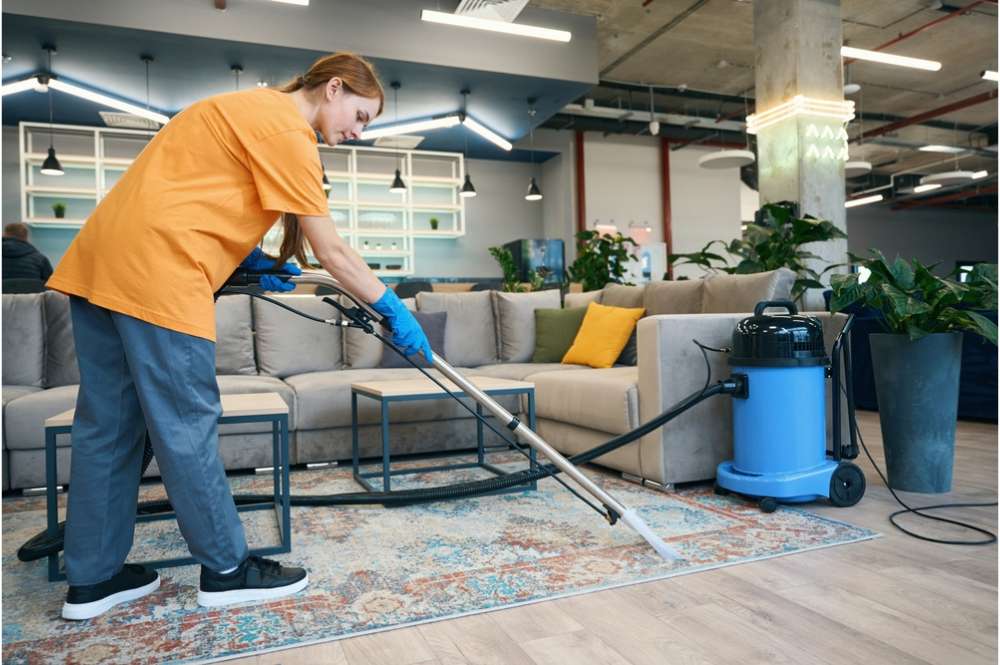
(623, 183)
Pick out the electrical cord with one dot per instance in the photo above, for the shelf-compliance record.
(991, 538)
(708, 367)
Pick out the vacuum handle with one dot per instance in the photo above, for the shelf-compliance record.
(764, 304)
(243, 278)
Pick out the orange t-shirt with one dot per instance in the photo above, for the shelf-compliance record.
(192, 206)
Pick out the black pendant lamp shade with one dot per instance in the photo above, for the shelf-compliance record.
(468, 189)
(398, 186)
(51, 165)
(534, 194)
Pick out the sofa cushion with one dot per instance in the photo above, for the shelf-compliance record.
(674, 297)
(603, 334)
(24, 418)
(555, 330)
(470, 338)
(522, 371)
(290, 344)
(364, 351)
(735, 294)
(11, 393)
(234, 335)
(61, 368)
(324, 399)
(433, 325)
(236, 384)
(24, 339)
(620, 295)
(600, 399)
(582, 299)
(515, 317)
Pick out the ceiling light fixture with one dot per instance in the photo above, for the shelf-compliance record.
(34, 83)
(300, 3)
(889, 58)
(468, 189)
(413, 126)
(654, 124)
(947, 178)
(801, 105)
(534, 193)
(51, 165)
(858, 167)
(486, 133)
(990, 75)
(42, 83)
(980, 174)
(865, 200)
(397, 186)
(920, 189)
(519, 29)
(948, 149)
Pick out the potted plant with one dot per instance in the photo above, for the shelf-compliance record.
(434, 223)
(916, 362)
(776, 242)
(601, 258)
(59, 209)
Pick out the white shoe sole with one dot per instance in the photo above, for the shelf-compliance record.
(81, 611)
(217, 598)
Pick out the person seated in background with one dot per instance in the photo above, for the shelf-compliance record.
(20, 258)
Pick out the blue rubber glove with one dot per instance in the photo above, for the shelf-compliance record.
(406, 332)
(259, 262)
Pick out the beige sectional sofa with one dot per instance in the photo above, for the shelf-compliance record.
(265, 348)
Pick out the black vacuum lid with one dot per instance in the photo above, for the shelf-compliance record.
(778, 340)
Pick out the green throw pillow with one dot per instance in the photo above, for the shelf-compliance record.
(555, 330)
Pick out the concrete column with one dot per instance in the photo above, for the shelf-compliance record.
(797, 52)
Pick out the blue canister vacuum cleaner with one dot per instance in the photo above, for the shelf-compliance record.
(779, 422)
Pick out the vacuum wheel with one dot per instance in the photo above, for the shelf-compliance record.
(768, 504)
(847, 485)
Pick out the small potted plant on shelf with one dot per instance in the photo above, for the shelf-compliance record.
(59, 209)
(434, 223)
(916, 362)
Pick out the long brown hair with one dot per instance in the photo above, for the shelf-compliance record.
(358, 77)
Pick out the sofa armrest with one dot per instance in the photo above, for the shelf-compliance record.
(671, 367)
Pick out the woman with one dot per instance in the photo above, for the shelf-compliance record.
(141, 274)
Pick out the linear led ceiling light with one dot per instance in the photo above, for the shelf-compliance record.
(919, 189)
(889, 58)
(990, 75)
(414, 126)
(864, 200)
(301, 3)
(34, 83)
(486, 133)
(495, 26)
(949, 149)
(980, 174)
(948, 178)
(801, 105)
(38, 84)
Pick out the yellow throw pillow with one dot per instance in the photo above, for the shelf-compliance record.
(603, 334)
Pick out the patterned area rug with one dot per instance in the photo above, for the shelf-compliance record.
(373, 569)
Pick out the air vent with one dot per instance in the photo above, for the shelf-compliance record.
(127, 121)
(400, 142)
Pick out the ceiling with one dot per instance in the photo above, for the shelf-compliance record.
(187, 68)
(707, 48)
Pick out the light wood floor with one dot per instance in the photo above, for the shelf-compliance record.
(886, 601)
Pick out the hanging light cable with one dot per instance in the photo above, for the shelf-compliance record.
(237, 70)
(51, 165)
(397, 186)
(468, 189)
(534, 193)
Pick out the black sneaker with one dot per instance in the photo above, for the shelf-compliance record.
(257, 578)
(90, 600)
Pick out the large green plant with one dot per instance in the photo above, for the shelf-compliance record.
(916, 302)
(774, 243)
(511, 283)
(601, 258)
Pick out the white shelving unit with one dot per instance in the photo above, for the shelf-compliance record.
(380, 225)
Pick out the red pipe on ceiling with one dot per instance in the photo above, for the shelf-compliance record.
(933, 113)
(946, 198)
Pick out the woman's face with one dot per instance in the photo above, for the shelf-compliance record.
(342, 115)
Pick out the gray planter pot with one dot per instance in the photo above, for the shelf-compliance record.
(917, 388)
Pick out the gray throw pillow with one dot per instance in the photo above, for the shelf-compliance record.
(433, 324)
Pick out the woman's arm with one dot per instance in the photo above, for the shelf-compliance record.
(340, 260)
